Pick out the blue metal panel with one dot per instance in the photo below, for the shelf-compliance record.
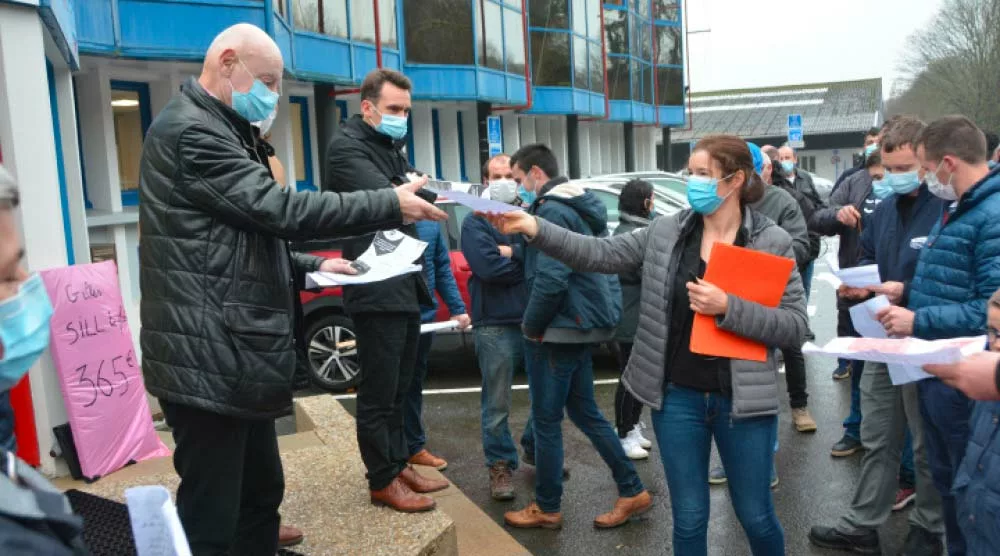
(307, 183)
(492, 85)
(63, 193)
(597, 104)
(671, 115)
(390, 59)
(95, 25)
(59, 18)
(442, 82)
(516, 93)
(621, 111)
(581, 101)
(364, 59)
(321, 55)
(552, 100)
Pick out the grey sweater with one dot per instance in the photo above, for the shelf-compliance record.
(779, 205)
(754, 385)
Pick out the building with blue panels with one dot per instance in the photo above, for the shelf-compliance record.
(81, 80)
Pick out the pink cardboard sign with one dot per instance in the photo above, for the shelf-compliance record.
(98, 370)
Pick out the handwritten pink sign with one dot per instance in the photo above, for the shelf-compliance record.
(98, 370)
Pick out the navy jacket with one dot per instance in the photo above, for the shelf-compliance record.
(977, 491)
(895, 248)
(565, 306)
(959, 268)
(437, 272)
(497, 289)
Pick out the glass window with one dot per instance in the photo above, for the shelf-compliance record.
(513, 28)
(387, 22)
(579, 18)
(305, 15)
(668, 45)
(647, 83)
(363, 21)
(279, 7)
(551, 14)
(618, 79)
(616, 31)
(596, 68)
(334, 18)
(580, 63)
(670, 86)
(550, 59)
(610, 201)
(491, 24)
(636, 80)
(125, 105)
(298, 144)
(642, 8)
(666, 9)
(594, 19)
(513, 3)
(646, 41)
(438, 32)
(636, 35)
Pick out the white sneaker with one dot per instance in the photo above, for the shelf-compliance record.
(637, 433)
(632, 448)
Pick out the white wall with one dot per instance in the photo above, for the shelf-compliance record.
(825, 161)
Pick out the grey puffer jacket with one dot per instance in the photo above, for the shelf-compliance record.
(753, 384)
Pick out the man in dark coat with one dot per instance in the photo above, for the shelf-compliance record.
(366, 154)
(217, 288)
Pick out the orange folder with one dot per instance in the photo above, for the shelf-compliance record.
(748, 274)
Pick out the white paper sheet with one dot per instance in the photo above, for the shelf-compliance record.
(438, 326)
(863, 317)
(155, 525)
(905, 356)
(391, 253)
(860, 276)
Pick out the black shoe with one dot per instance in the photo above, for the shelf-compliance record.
(921, 542)
(846, 446)
(862, 542)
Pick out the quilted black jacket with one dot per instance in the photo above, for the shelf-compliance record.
(216, 273)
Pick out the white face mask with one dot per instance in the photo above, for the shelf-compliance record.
(504, 190)
(265, 125)
(944, 191)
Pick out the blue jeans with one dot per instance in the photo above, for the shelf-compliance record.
(907, 475)
(562, 377)
(946, 413)
(807, 278)
(7, 441)
(852, 425)
(687, 423)
(413, 406)
(500, 350)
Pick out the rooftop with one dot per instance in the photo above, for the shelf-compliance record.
(835, 107)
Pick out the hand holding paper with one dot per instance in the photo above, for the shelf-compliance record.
(904, 356)
(391, 253)
(975, 375)
(897, 321)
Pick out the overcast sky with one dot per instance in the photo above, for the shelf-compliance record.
(781, 42)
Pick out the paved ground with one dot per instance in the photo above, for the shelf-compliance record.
(814, 489)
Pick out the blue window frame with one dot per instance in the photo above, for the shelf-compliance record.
(130, 93)
(568, 32)
(654, 56)
(302, 142)
(60, 165)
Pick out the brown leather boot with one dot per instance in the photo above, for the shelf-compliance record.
(625, 509)
(533, 517)
(399, 497)
(419, 483)
(423, 457)
(289, 536)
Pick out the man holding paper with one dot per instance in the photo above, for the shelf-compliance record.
(892, 240)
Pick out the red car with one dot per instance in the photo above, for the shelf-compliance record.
(329, 333)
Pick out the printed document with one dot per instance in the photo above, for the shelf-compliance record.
(904, 356)
(863, 317)
(391, 254)
(855, 277)
(155, 525)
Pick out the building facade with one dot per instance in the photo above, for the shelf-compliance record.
(81, 80)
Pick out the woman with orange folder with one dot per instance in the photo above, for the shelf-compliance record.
(697, 397)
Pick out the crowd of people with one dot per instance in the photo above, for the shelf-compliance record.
(220, 338)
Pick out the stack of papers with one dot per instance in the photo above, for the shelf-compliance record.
(391, 254)
(855, 277)
(863, 317)
(904, 356)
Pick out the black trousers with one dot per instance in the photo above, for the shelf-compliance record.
(231, 481)
(627, 408)
(387, 349)
(795, 377)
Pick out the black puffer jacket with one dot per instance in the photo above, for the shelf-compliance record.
(359, 158)
(216, 273)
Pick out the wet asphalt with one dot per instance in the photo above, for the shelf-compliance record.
(814, 488)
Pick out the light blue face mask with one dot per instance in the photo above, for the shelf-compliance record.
(881, 189)
(24, 330)
(903, 183)
(870, 149)
(392, 126)
(703, 194)
(257, 104)
(788, 166)
(527, 197)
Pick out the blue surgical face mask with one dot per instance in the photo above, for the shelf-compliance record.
(881, 189)
(870, 149)
(24, 330)
(258, 103)
(393, 126)
(527, 197)
(903, 183)
(788, 166)
(703, 194)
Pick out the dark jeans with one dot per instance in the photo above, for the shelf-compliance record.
(7, 440)
(946, 414)
(907, 474)
(231, 481)
(562, 377)
(687, 423)
(387, 349)
(807, 278)
(795, 377)
(627, 408)
(413, 425)
(500, 350)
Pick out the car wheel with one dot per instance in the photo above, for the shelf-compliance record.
(334, 364)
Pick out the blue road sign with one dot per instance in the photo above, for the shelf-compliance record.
(794, 121)
(493, 130)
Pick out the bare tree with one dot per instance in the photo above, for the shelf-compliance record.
(954, 64)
